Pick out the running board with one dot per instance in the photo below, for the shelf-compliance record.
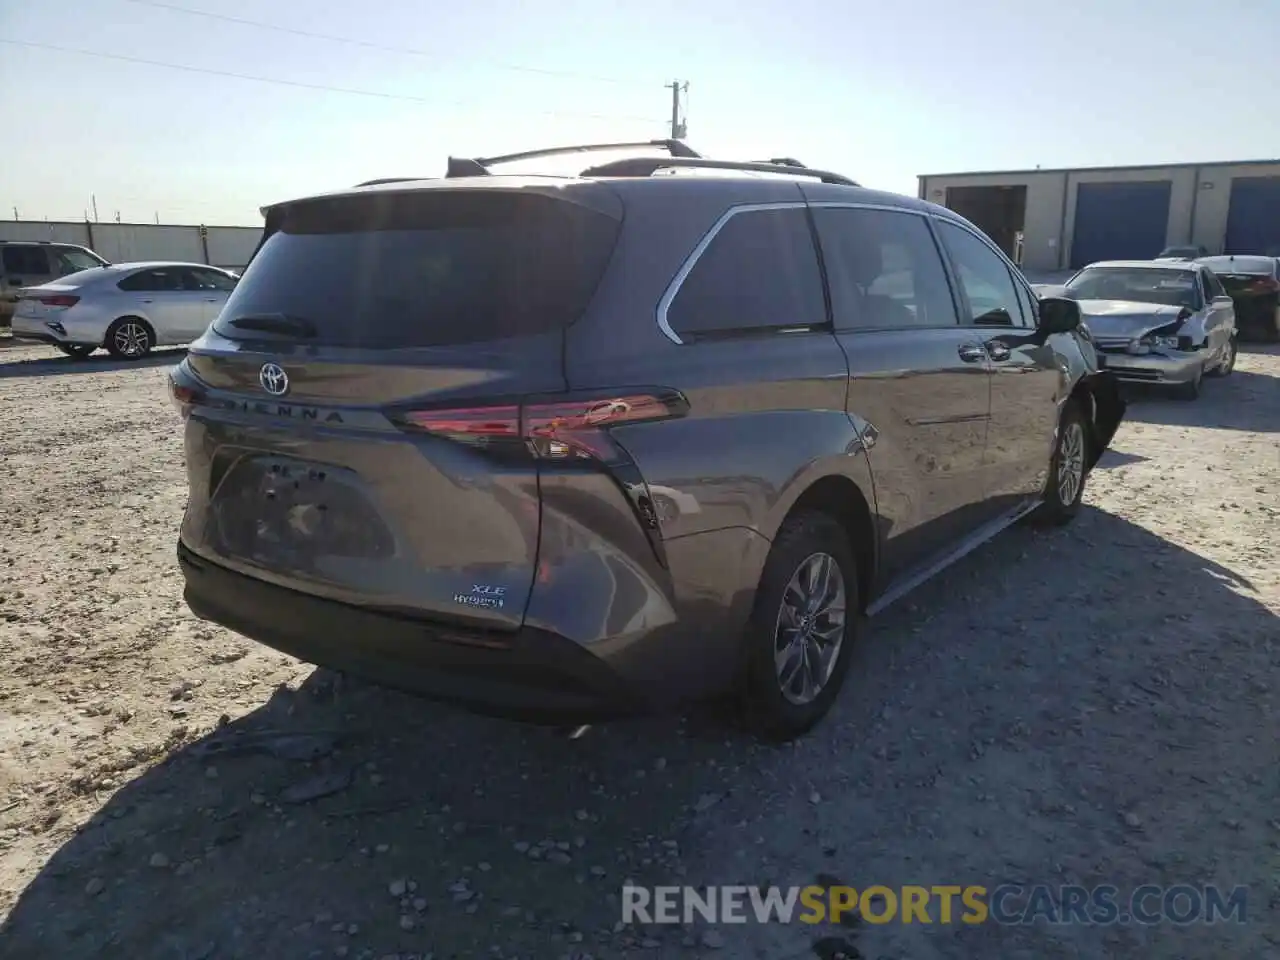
(965, 547)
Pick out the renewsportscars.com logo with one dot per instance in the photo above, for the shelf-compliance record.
(940, 904)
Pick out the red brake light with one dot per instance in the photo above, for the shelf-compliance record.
(61, 300)
(558, 429)
(1268, 284)
(183, 396)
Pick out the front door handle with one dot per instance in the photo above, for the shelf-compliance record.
(971, 353)
(146, 299)
(998, 350)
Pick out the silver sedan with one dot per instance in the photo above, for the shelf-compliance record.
(128, 308)
(1155, 321)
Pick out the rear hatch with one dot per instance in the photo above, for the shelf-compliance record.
(355, 412)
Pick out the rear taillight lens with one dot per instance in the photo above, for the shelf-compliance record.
(1266, 285)
(62, 300)
(561, 428)
(183, 395)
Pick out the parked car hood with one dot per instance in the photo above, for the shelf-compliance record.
(1126, 318)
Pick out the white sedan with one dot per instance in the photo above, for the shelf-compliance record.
(128, 308)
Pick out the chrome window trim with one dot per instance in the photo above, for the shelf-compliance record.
(855, 205)
(673, 288)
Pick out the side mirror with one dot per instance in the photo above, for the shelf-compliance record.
(1058, 315)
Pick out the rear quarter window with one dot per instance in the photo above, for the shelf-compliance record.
(759, 273)
(394, 270)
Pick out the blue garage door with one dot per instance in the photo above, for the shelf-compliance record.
(1120, 221)
(1253, 223)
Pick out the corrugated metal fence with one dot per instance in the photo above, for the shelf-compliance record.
(227, 247)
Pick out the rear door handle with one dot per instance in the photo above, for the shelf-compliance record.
(998, 350)
(146, 300)
(971, 353)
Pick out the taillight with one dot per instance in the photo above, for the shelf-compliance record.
(560, 428)
(183, 396)
(61, 300)
(1266, 285)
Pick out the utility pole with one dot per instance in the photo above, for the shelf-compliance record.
(15, 213)
(93, 202)
(679, 129)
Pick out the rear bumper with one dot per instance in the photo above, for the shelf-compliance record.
(528, 675)
(37, 331)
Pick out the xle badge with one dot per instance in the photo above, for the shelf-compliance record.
(482, 595)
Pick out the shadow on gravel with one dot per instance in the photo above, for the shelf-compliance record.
(58, 364)
(1243, 401)
(295, 830)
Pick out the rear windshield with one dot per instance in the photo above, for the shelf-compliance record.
(1263, 266)
(387, 269)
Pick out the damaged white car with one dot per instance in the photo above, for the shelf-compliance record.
(1156, 322)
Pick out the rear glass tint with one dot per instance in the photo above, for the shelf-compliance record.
(434, 268)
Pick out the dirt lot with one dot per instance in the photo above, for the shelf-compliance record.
(1092, 705)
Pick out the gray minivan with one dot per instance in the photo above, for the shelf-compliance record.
(572, 447)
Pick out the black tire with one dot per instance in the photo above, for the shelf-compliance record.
(1191, 389)
(767, 710)
(76, 351)
(1228, 363)
(130, 338)
(1073, 429)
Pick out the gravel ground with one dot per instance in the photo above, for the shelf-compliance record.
(1090, 705)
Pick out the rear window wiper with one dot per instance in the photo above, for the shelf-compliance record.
(275, 323)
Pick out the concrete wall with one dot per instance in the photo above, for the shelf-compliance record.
(228, 247)
(1200, 197)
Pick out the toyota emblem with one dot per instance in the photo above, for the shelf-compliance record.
(273, 379)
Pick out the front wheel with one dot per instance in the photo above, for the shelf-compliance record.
(1064, 488)
(76, 351)
(802, 627)
(129, 338)
(1228, 361)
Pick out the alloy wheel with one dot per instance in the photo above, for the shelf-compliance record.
(132, 339)
(1070, 463)
(810, 628)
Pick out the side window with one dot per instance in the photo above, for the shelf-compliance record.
(152, 281)
(985, 283)
(884, 270)
(760, 272)
(1212, 285)
(209, 280)
(73, 261)
(25, 260)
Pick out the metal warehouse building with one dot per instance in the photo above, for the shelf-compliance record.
(1060, 219)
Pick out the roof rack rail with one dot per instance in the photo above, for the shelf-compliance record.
(646, 166)
(479, 166)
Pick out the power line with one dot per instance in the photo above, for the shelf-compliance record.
(433, 101)
(371, 45)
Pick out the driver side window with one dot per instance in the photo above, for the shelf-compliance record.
(986, 285)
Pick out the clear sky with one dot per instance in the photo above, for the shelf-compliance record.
(880, 91)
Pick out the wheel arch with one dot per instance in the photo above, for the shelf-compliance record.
(849, 500)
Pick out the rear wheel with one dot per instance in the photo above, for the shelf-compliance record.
(802, 627)
(129, 338)
(76, 351)
(1067, 470)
